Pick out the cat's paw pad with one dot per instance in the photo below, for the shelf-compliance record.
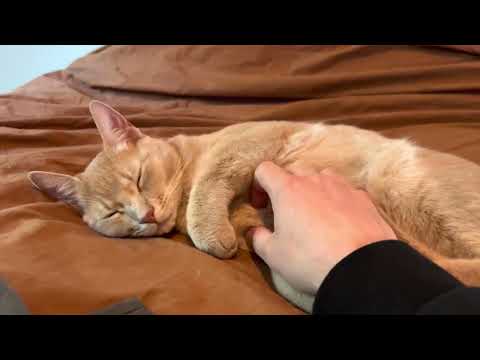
(223, 244)
(222, 249)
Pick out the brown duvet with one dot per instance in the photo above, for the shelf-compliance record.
(60, 266)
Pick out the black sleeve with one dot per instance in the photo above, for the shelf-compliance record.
(390, 277)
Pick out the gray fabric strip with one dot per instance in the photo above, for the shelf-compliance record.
(10, 302)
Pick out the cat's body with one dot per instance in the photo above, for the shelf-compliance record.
(200, 185)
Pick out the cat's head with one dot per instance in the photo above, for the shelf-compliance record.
(132, 188)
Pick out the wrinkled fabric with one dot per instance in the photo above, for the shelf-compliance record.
(58, 265)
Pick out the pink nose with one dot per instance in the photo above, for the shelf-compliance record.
(149, 217)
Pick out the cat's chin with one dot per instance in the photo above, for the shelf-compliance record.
(146, 230)
(166, 227)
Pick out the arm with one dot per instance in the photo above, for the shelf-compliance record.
(390, 277)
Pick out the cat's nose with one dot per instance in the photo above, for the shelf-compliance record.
(149, 217)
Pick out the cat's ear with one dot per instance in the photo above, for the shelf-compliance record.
(116, 131)
(57, 186)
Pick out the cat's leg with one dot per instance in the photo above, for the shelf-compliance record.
(226, 172)
(446, 243)
(210, 203)
(208, 222)
(466, 271)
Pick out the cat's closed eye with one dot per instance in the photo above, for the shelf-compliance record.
(139, 179)
(110, 214)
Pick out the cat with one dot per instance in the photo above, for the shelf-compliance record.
(139, 186)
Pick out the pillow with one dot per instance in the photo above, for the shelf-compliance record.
(269, 71)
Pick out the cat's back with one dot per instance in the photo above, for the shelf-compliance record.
(245, 137)
(261, 128)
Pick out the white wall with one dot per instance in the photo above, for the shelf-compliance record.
(22, 63)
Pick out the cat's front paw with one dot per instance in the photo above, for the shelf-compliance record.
(221, 243)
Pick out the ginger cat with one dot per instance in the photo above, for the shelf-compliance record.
(140, 186)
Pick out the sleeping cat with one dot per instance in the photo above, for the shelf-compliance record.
(140, 186)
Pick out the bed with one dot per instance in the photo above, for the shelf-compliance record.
(58, 265)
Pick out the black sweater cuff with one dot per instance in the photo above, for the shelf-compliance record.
(387, 277)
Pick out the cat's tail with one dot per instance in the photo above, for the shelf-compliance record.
(465, 270)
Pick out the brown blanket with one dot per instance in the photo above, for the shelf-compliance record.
(58, 265)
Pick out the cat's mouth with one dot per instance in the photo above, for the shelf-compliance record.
(166, 226)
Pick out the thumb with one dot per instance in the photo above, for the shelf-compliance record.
(271, 178)
(261, 241)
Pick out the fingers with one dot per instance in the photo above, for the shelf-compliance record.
(271, 177)
(261, 241)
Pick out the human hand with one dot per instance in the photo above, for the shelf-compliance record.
(319, 220)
